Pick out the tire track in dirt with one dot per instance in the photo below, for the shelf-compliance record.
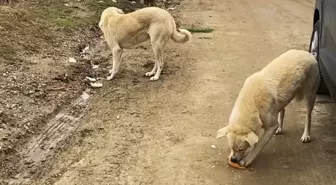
(42, 147)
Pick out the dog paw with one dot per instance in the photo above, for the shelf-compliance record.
(154, 78)
(305, 138)
(243, 163)
(149, 74)
(110, 77)
(278, 131)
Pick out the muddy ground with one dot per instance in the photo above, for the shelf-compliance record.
(38, 80)
(133, 131)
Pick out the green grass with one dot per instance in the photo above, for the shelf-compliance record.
(200, 30)
(41, 24)
(58, 16)
(78, 15)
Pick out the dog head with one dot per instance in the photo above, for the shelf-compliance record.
(241, 143)
(110, 11)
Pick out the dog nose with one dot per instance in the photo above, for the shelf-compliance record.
(233, 159)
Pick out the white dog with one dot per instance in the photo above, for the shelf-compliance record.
(126, 30)
(259, 110)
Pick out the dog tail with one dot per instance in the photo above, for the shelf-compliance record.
(180, 35)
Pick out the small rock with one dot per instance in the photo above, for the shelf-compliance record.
(86, 57)
(86, 49)
(96, 84)
(205, 37)
(91, 79)
(66, 5)
(8, 106)
(72, 60)
(34, 61)
(28, 162)
(285, 166)
(115, 1)
(118, 116)
(95, 66)
(172, 8)
(213, 146)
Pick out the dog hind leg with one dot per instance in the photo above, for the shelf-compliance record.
(309, 103)
(158, 44)
(310, 90)
(158, 61)
(153, 71)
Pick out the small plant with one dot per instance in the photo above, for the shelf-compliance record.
(200, 30)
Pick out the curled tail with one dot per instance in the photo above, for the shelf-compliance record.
(180, 35)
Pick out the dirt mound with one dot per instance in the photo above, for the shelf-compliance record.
(37, 39)
(37, 78)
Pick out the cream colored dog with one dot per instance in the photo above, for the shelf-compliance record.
(126, 30)
(259, 110)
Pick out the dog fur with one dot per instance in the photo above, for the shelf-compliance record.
(127, 30)
(259, 110)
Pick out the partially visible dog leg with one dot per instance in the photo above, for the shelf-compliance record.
(246, 161)
(158, 43)
(280, 120)
(309, 101)
(159, 62)
(117, 53)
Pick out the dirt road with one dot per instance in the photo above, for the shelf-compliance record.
(141, 132)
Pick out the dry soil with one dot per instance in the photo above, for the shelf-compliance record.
(134, 131)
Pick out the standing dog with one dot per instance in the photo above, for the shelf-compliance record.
(259, 110)
(126, 30)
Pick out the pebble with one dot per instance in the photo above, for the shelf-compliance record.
(96, 84)
(72, 60)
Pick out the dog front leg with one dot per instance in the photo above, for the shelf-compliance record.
(280, 120)
(117, 53)
(259, 146)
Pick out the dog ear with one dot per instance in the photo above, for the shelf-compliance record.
(102, 20)
(222, 132)
(120, 11)
(100, 24)
(252, 138)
